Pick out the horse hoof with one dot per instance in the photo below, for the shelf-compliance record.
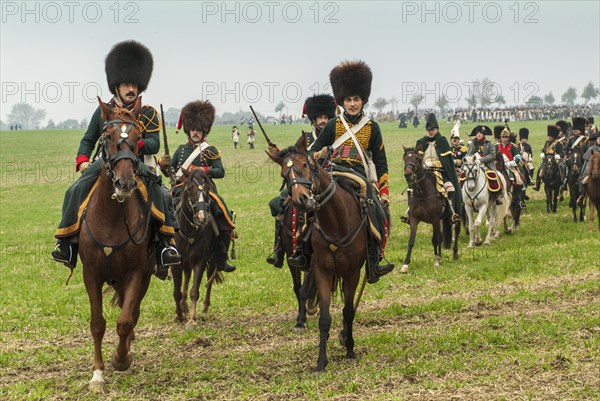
(124, 365)
(97, 387)
(404, 269)
(310, 311)
(456, 256)
(342, 339)
(300, 329)
(190, 325)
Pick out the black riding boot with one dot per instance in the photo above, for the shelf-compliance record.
(276, 258)
(220, 256)
(166, 256)
(583, 194)
(65, 252)
(374, 272)
(301, 258)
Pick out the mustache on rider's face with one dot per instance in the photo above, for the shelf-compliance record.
(130, 94)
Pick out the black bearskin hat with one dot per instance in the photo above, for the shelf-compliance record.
(498, 131)
(197, 116)
(351, 78)
(590, 120)
(431, 122)
(579, 123)
(320, 105)
(523, 133)
(553, 131)
(563, 125)
(128, 62)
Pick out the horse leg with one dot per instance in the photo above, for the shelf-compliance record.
(411, 242)
(308, 294)
(177, 281)
(591, 219)
(297, 284)
(187, 274)
(472, 233)
(195, 294)
(455, 239)
(346, 336)
(207, 299)
(97, 327)
(491, 214)
(130, 303)
(555, 204)
(324, 287)
(436, 241)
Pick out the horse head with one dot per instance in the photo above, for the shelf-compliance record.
(413, 165)
(300, 173)
(119, 140)
(471, 170)
(196, 195)
(574, 162)
(551, 166)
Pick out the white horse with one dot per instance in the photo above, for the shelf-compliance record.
(476, 198)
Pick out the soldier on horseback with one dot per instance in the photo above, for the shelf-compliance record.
(354, 141)
(319, 109)
(578, 141)
(459, 150)
(485, 153)
(553, 146)
(438, 157)
(128, 69)
(197, 119)
(585, 170)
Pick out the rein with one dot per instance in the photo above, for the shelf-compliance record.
(110, 161)
(186, 206)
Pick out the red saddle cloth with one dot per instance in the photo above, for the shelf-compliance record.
(493, 182)
(461, 178)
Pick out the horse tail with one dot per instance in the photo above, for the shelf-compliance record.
(116, 289)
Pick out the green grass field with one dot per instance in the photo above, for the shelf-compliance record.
(516, 320)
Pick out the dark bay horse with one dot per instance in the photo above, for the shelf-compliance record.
(574, 163)
(428, 205)
(114, 242)
(515, 192)
(339, 240)
(305, 288)
(593, 188)
(196, 241)
(552, 183)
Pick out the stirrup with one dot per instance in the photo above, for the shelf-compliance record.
(172, 258)
(455, 218)
(298, 261)
(404, 219)
(66, 256)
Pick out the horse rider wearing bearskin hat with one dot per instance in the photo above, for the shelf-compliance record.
(128, 68)
(526, 154)
(552, 146)
(485, 154)
(362, 150)
(197, 119)
(594, 147)
(319, 109)
(578, 141)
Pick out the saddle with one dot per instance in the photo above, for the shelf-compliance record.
(493, 181)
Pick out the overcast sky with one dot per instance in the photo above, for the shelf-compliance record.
(241, 53)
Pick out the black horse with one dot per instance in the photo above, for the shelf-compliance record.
(574, 164)
(552, 182)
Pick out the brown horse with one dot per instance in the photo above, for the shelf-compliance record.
(552, 182)
(196, 240)
(339, 240)
(593, 188)
(427, 204)
(114, 244)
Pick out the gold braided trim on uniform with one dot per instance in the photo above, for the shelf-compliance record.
(384, 181)
(447, 153)
(363, 136)
(210, 155)
(152, 123)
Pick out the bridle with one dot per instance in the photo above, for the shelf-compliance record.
(313, 184)
(109, 161)
(194, 207)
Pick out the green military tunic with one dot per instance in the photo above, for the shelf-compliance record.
(209, 160)
(76, 196)
(446, 158)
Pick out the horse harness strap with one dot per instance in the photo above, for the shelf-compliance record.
(109, 250)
